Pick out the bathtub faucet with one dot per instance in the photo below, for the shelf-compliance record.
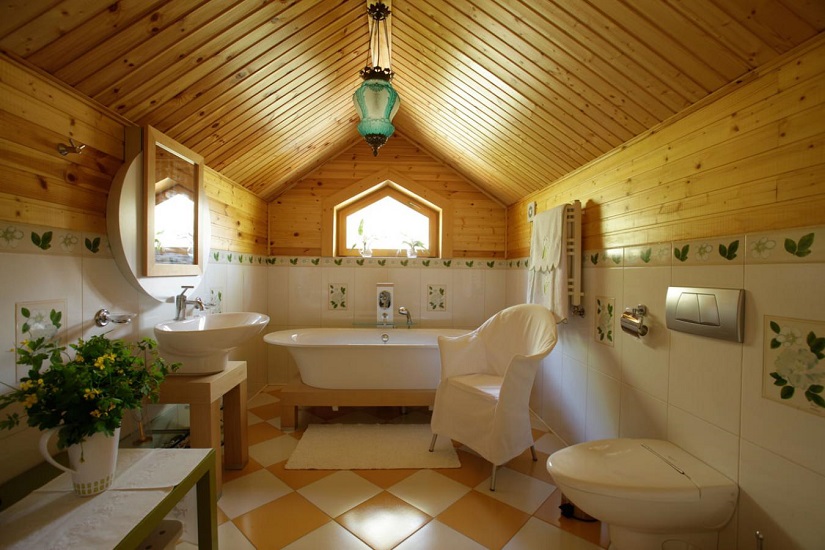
(404, 311)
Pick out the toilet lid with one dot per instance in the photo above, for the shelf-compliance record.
(645, 469)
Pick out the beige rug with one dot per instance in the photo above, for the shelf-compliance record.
(370, 447)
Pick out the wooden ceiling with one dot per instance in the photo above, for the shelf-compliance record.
(512, 94)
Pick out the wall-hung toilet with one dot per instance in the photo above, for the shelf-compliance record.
(648, 492)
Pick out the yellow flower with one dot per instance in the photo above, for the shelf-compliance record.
(90, 394)
(26, 385)
(100, 362)
(30, 400)
(78, 358)
(40, 382)
(95, 413)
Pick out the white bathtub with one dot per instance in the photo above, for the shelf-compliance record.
(359, 358)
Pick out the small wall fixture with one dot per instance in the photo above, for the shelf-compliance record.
(632, 321)
(64, 149)
(103, 318)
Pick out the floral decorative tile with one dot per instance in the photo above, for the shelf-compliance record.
(42, 319)
(652, 254)
(793, 368)
(338, 296)
(611, 257)
(605, 314)
(216, 300)
(711, 251)
(788, 245)
(436, 297)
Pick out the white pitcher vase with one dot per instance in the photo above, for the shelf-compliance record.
(92, 462)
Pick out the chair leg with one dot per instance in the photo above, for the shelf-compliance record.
(493, 479)
(533, 452)
(432, 443)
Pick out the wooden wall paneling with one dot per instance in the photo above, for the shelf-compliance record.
(238, 218)
(717, 171)
(17, 209)
(296, 216)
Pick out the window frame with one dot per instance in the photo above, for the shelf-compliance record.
(394, 191)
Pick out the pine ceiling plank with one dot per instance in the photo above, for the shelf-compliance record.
(554, 42)
(290, 72)
(540, 67)
(772, 21)
(202, 50)
(749, 47)
(811, 11)
(207, 96)
(457, 119)
(275, 111)
(296, 130)
(548, 95)
(424, 70)
(566, 32)
(49, 26)
(92, 32)
(117, 47)
(558, 121)
(648, 55)
(680, 59)
(15, 14)
(157, 37)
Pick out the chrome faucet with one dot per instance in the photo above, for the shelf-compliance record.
(404, 311)
(181, 302)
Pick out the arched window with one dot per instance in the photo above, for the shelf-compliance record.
(387, 221)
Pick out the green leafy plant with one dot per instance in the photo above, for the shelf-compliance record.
(87, 393)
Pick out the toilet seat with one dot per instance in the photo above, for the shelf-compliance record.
(637, 469)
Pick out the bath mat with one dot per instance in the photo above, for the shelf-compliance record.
(370, 447)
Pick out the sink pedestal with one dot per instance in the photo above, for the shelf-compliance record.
(203, 395)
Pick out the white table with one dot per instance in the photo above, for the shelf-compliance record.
(148, 484)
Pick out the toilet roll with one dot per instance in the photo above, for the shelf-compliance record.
(632, 325)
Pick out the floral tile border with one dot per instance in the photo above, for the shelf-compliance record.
(795, 245)
(652, 254)
(33, 239)
(609, 257)
(712, 251)
(793, 364)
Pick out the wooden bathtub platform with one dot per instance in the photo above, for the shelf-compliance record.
(298, 394)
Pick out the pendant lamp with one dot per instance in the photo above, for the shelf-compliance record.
(376, 101)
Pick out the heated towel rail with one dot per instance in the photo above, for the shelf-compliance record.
(573, 248)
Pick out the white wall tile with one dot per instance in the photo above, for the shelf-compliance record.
(707, 442)
(339, 276)
(573, 400)
(277, 293)
(468, 298)
(642, 415)
(645, 359)
(363, 295)
(305, 296)
(603, 406)
(494, 292)
(780, 499)
(786, 290)
(608, 283)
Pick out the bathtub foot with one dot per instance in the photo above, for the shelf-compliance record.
(432, 443)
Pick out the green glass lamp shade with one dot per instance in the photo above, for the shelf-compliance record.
(376, 102)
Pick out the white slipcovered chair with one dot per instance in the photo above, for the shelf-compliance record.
(483, 398)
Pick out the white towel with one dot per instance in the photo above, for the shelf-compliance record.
(547, 268)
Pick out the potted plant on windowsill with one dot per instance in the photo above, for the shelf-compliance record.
(83, 397)
(413, 247)
(366, 240)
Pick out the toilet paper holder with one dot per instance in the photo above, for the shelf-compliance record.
(632, 321)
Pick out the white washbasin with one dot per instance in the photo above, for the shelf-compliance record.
(202, 344)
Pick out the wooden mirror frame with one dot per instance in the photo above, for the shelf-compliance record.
(153, 138)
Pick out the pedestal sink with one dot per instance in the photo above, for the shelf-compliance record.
(202, 344)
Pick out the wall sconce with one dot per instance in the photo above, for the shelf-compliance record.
(64, 149)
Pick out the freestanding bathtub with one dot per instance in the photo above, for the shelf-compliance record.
(365, 358)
